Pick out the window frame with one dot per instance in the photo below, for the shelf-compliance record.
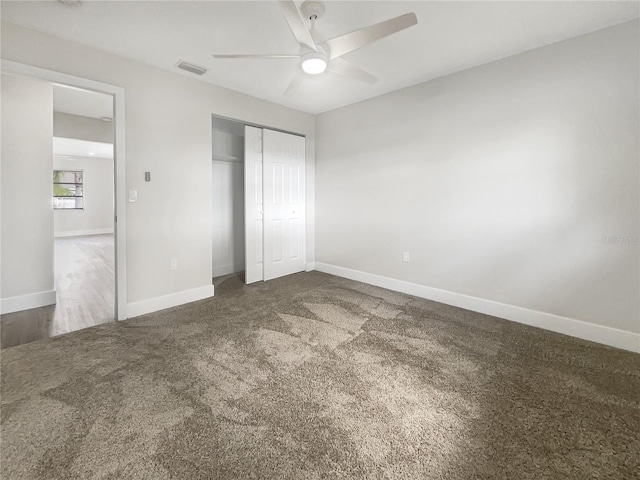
(54, 183)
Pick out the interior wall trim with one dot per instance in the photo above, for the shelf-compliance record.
(568, 326)
(27, 302)
(142, 307)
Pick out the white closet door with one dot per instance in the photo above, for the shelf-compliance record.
(254, 270)
(284, 203)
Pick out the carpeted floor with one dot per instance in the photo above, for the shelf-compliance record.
(312, 376)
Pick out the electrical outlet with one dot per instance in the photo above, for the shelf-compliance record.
(173, 264)
(405, 257)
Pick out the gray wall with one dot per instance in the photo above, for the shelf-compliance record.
(67, 125)
(27, 214)
(512, 182)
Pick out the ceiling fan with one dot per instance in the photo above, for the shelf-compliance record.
(315, 56)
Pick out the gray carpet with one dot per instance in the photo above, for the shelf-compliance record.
(312, 376)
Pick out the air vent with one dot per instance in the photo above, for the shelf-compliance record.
(190, 67)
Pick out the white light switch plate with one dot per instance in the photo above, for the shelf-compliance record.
(133, 196)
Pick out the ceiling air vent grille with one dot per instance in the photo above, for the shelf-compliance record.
(190, 67)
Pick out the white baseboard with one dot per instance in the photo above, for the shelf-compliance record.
(79, 233)
(167, 301)
(308, 267)
(612, 337)
(227, 270)
(27, 302)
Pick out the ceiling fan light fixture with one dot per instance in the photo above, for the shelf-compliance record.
(314, 63)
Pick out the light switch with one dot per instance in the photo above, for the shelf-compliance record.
(133, 196)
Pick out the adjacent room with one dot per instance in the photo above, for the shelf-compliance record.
(83, 209)
(336, 239)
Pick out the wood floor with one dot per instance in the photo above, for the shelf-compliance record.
(85, 292)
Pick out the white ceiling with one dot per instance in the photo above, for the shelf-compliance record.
(82, 102)
(449, 37)
(72, 147)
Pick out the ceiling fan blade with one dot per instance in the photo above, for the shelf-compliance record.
(254, 56)
(352, 41)
(296, 81)
(297, 24)
(347, 69)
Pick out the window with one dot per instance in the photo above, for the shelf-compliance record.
(68, 190)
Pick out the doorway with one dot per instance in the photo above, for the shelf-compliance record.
(228, 254)
(83, 209)
(258, 177)
(27, 307)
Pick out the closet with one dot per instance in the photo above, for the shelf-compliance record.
(258, 201)
(228, 196)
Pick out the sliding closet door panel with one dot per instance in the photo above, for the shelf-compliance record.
(277, 240)
(284, 207)
(277, 181)
(257, 225)
(253, 216)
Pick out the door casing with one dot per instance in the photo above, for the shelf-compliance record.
(120, 194)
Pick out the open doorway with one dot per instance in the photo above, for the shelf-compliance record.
(83, 209)
(228, 254)
(29, 296)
